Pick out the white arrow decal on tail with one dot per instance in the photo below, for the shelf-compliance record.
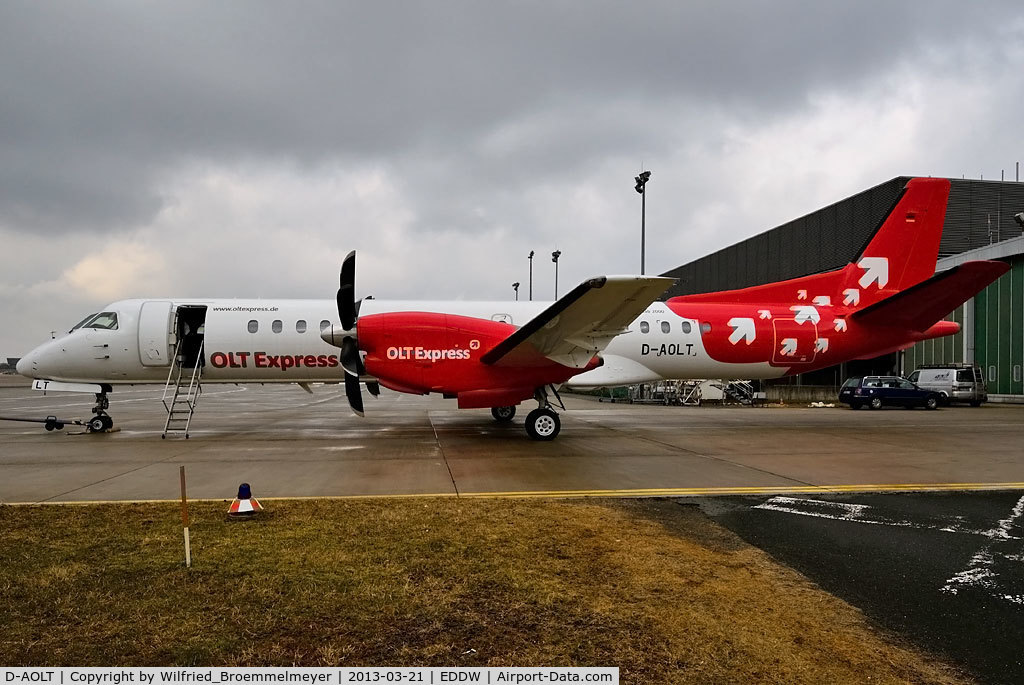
(822, 300)
(851, 297)
(821, 344)
(764, 313)
(801, 294)
(876, 270)
(840, 325)
(788, 347)
(806, 313)
(742, 329)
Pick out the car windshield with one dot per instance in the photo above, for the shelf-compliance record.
(851, 382)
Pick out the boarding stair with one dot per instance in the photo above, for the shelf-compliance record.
(181, 393)
(740, 391)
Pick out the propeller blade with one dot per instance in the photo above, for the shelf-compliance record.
(373, 387)
(355, 397)
(350, 360)
(347, 292)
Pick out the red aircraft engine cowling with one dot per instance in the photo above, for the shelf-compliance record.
(422, 352)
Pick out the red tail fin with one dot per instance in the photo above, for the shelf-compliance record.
(900, 253)
(903, 250)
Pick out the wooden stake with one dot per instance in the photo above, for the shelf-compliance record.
(184, 519)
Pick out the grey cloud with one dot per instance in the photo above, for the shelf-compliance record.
(100, 99)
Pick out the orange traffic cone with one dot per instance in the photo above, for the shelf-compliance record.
(245, 504)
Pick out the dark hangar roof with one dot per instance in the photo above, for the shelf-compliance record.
(979, 213)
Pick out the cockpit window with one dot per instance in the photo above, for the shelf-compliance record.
(83, 322)
(104, 320)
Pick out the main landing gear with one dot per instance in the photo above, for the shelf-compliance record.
(101, 421)
(542, 423)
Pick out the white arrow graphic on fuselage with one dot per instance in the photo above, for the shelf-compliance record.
(876, 270)
(742, 329)
(851, 296)
(840, 325)
(822, 300)
(788, 347)
(764, 313)
(821, 344)
(805, 313)
(801, 294)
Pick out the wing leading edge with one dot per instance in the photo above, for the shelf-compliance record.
(581, 324)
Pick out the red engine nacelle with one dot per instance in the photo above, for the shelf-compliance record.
(422, 352)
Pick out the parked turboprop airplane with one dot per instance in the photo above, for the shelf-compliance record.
(608, 331)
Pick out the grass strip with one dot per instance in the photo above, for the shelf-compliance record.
(647, 585)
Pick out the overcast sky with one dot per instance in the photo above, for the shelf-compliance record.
(241, 149)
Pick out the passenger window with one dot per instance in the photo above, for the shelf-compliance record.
(254, 326)
(705, 327)
(686, 327)
(277, 326)
(106, 321)
(645, 327)
(300, 326)
(324, 325)
(665, 327)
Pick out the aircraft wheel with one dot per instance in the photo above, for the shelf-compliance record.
(108, 422)
(543, 424)
(96, 424)
(503, 414)
(876, 403)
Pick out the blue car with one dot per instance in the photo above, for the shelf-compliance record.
(880, 391)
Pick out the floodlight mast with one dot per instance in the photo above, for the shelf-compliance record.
(641, 187)
(554, 257)
(530, 257)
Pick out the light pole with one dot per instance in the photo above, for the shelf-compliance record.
(515, 286)
(641, 187)
(554, 257)
(530, 257)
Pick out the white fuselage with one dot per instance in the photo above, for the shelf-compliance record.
(278, 341)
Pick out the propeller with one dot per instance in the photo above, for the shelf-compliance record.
(348, 313)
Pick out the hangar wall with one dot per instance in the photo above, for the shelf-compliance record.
(993, 334)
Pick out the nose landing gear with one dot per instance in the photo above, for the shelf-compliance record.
(101, 421)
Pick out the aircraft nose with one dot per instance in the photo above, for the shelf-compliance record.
(26, 365)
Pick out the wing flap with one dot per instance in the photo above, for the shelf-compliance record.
(581, 324)
(922, 305)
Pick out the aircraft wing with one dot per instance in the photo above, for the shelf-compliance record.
(922, 305)
(581, 324)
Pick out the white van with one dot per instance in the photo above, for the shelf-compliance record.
(955, 382)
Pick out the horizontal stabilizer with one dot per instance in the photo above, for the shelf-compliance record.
(919, 307)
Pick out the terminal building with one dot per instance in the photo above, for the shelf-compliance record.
(979, 224)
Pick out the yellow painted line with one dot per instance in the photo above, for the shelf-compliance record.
(563, 494)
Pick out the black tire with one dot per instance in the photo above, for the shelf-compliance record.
(975, 403)
(875, 403)
(543, 424)
(108, 422)
(931, 403)
(503, 414)
(96, 424)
